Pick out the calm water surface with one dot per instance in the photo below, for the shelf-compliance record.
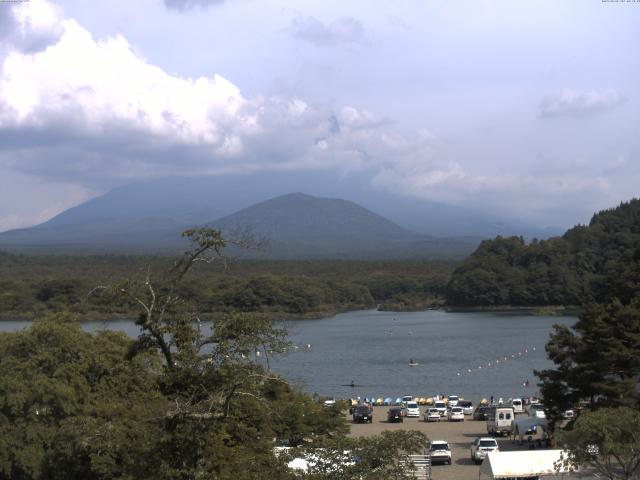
(461, 353)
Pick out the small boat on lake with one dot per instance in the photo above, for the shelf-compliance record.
(413, 363)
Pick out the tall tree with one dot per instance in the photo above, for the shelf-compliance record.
(597, 360)
(607, 441)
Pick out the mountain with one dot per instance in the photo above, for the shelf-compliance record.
(297, 225)
(147, 216)
(190, 200)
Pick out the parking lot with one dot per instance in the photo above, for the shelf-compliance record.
(460, 435)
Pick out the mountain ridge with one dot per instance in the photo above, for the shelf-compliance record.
(297, 225)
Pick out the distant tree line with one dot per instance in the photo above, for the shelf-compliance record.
(34, 285)
(586, 264)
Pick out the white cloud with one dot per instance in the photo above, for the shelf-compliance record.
(580, 103)
(30, 26)
(342, 30)
(95, 112)
(92, 109)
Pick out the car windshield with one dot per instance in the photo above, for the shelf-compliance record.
(453, 398)
(456, 409)
(362, 409)
(440, 405)
(434, 410)
(488, 443)
(439, 446)
(412, 405)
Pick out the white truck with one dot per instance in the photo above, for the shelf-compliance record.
(499, 420)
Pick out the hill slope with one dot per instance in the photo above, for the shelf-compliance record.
(587, 263)
(297, 225)
(189, 200)
(302, 226)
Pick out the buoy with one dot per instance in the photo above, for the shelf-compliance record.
(308, 345)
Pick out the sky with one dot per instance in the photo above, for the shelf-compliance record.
(527, 109)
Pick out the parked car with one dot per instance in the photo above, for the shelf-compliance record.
(394, 415)
(481, 446)
(362, 414)
(480, 413)
(407, 398)
(452, 400)
(467, 407)
(537, 410)
(412, 409)
(439, 451)
(441, 406)
(516, 403)
(456, 414)
(432, 415)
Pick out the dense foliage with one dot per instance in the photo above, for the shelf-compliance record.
(184, 400)
(606, 441)
(597, 361)
(33, 285)
(586, 264)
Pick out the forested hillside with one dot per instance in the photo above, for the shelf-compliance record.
(33, 285)
(588, 263)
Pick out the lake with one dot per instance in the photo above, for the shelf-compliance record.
(470, 354)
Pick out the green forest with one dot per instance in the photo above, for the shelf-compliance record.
(586, 264)
(583, 265)
(35, 285)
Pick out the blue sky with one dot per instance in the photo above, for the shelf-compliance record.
(526, 109)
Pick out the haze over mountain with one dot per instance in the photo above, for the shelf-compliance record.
(301, 226)
(148, 216)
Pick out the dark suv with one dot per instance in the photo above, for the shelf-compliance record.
(362, 414)
(394, 415)
(480, 413)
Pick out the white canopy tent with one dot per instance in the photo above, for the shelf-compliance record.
(522, 464)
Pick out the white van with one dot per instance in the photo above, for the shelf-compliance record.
(516, 403)
(499, 420)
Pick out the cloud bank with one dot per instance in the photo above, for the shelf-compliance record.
(29, 27)
(312, 30)
(580, 103)
(94, 113)
(184, 5)
(91, 109)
